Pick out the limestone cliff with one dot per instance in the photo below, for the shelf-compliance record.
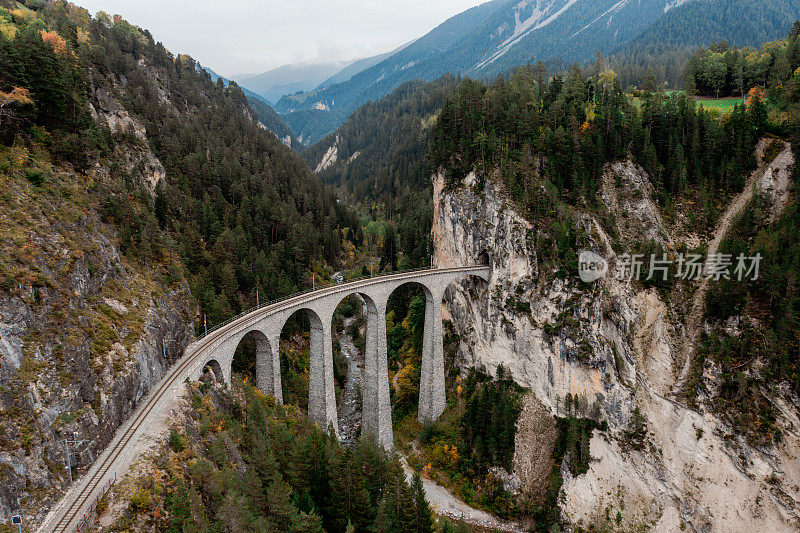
(133, 152)
(618, 347)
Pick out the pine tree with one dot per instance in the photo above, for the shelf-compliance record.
(795, 32)
(386, 521)
(389, 256)
(397, 510)
(372, 459)
(350, 501)
(650, 81)
(306, 523)
(424, 522)
(260, 454)
(252, 488)
(282, 513)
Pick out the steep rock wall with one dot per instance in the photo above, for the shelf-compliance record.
(509, 323)
(617, 347)
(84, 334)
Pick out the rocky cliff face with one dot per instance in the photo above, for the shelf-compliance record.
(554, 337)
(134, 155)
(617, 346)
(83, 333)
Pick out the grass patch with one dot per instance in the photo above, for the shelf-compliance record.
(724, 105)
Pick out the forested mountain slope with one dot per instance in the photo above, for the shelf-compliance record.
(264, 112)
(664, 47)
(85, 302)
(707, 21)
(378, 157)
(140, 195)
(245, 209)
(273, 122)
(497, 36)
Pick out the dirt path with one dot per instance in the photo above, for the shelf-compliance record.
(444, 503)
(736, 207)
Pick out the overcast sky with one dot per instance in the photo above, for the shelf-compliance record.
(240, 36)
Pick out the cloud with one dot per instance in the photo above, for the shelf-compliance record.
(251, 36)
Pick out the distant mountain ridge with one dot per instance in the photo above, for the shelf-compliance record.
(267, 116)
(494, 37)
(306, 113)
(357, 66)
(289, 79)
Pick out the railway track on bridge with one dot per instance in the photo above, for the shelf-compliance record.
(80, 506)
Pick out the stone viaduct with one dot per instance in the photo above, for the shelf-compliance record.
(216, 350)
(266, 323)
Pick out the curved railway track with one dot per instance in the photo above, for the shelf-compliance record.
(79, 505)
(71, 514)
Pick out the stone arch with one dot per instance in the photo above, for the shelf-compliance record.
(375, 408)
(431, 400)
(396, 291)
(265, 365)
(367, 300)
(413, 283)
(215, 369)
(321, 394)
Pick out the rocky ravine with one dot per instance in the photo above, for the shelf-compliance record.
(618, 348)
(350, 408)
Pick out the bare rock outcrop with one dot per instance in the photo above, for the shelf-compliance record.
(136, 157)
(614, 344)
(84, 334)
